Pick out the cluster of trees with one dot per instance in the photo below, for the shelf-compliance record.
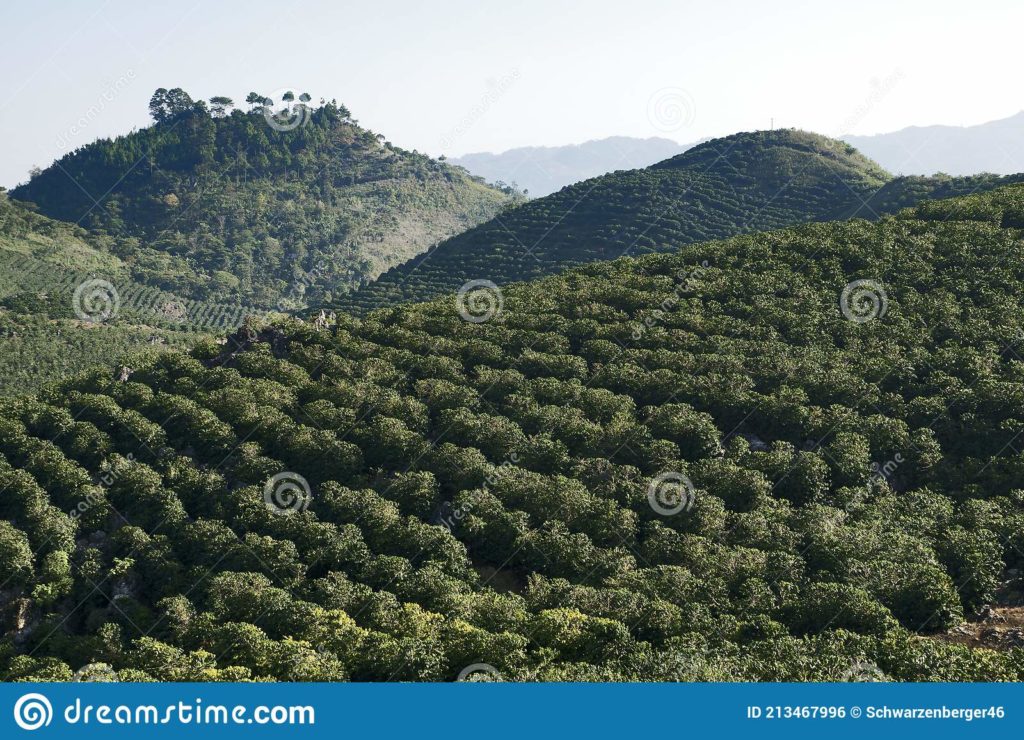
(166, 105)
(737, 184)
(480, 492)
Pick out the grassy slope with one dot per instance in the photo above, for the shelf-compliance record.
(220, 216)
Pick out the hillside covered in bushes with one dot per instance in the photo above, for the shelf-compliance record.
(266, 206)
(737, 184)
(42, 338)
(783, 456)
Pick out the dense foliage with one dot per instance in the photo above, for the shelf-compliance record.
(42, 262)
(903, 192)
(219, 205)
(36, 349)
(738, 184)
(481, 492)
(214, 213)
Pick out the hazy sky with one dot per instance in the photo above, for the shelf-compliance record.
(450, 77)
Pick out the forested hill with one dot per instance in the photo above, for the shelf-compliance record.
(784, 456)
(261, 208)
(737, 184)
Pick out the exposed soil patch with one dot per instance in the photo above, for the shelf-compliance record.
(998, 628)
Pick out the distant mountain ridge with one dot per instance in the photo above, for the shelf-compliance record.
(996, 146)
(542, 170)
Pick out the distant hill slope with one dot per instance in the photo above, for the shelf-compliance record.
(541, 170)
(234, 209)
(67, 301)
(997, 147)
(905, 192)
(740, 183)
(801, 462)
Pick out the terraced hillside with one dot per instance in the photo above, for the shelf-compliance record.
(67, 302)
(904, 192)
(244, 207)
(783, 456)
(738, 184)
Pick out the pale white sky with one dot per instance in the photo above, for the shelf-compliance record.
(456, 76)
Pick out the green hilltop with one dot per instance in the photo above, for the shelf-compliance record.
(774, 457)
(738, 184)
(238, 206)
(207, 216)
